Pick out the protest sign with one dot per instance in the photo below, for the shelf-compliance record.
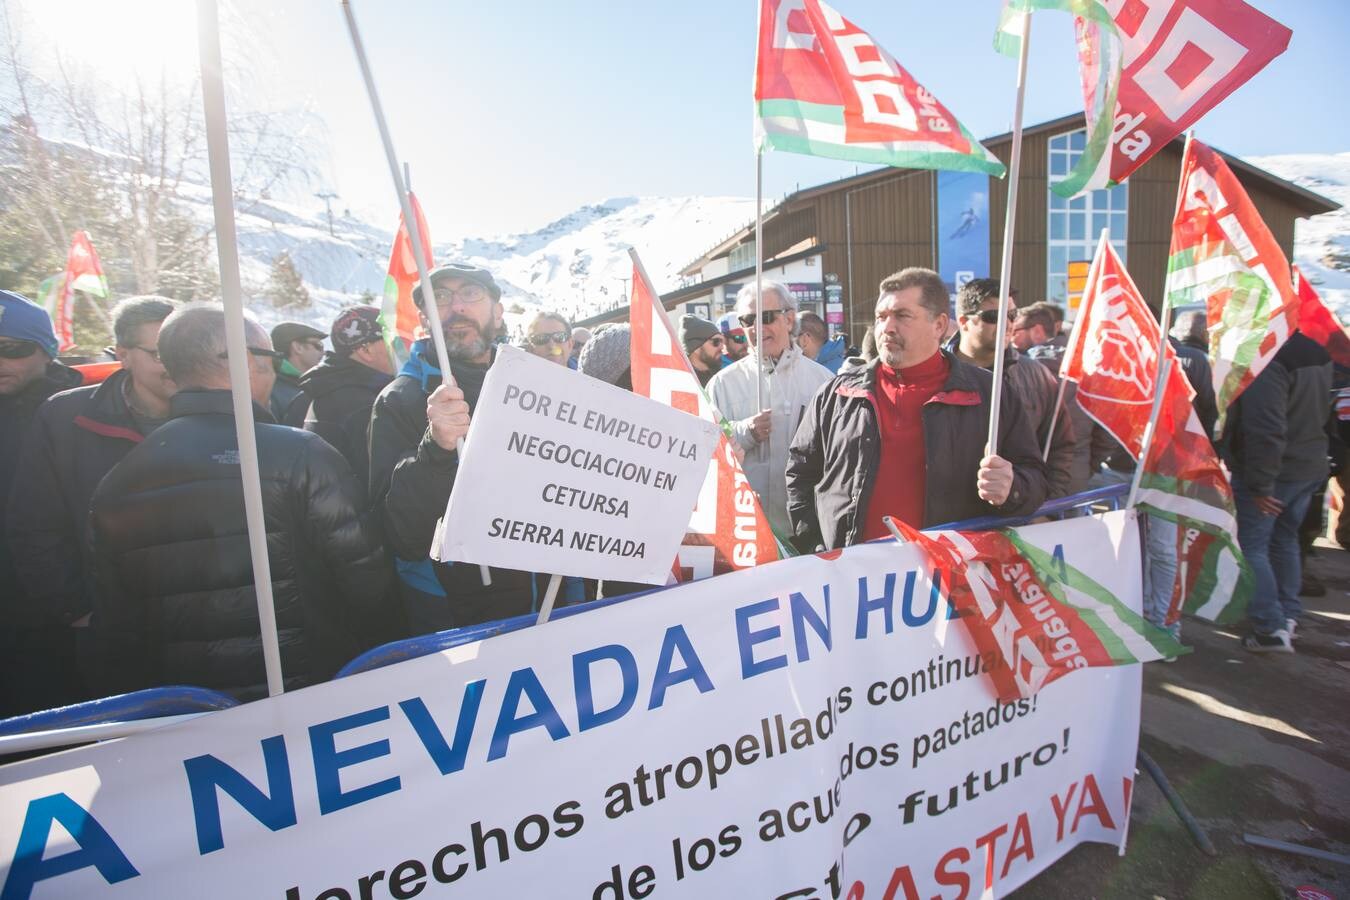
(816, 727)
(566, 474)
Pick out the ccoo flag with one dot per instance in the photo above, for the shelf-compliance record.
(823, 87)
(1039, 617)
(1113, 356)
(728, 530)
(399, 313)
(1317, 322)
(1224, 257)
(1149, 71)
(83, 273)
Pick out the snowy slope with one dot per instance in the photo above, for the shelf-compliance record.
(577, 264)
(1322, 243)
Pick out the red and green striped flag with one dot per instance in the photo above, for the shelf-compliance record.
(1038, 616)
(83, 273)
(824, 87)
(1224, 257)
(399, 313)
(1149, 71)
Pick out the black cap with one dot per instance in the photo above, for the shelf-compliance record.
(464, 271)
(287, 333)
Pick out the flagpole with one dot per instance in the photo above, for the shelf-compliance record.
(759, 281)
(1009, 227)
(1163, 369)
(409, 220)
(236, 343)
(1068, 351)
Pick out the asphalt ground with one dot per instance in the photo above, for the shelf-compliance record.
(1254, 744)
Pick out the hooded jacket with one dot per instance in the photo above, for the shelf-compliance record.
(338, 395)
(834, 457)
(832, 353)
(174, 597)
(411, 477)
(76, 439)
(789, 385)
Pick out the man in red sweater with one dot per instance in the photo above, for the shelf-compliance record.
(906, 435)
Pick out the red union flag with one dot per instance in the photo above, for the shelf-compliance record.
(727, 531)
(1039, 623)
(1113, 357)
(1317, 322)
(1224, 257)
(1151, 69)
(399, 313)
(824, 87)
(83, 273)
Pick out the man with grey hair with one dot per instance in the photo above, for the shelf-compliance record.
(76, 438)
(905, 436)
(174, 599)
(790, 380)
(549, 336)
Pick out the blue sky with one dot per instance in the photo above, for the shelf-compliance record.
(514, 113)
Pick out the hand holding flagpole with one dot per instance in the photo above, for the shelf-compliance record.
(410, 221)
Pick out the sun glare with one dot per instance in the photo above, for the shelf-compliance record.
(117, 42)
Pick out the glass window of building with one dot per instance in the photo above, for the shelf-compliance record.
(1071, 233)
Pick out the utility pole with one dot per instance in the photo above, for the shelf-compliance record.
(327, 197)
(625, 287)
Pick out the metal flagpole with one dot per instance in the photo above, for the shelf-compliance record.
(1164, 363)
(410, 222)
(1059, 400)
(759, 281)
(1009, 223)
(236, 343)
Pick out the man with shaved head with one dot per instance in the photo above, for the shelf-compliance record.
(174, 599)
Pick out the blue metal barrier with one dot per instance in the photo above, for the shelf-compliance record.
(151, 703)
(424, 645)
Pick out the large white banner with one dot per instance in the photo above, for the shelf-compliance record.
(567, 474)
(813, 728)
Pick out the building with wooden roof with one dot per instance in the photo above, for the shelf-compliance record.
(832, 244)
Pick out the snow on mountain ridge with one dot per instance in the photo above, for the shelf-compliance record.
(576, 264)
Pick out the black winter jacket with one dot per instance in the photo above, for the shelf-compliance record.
(17, 413)
(338, 395)
(411, 477)
(1277, 429)
(76, 438)
(174, 597)
(834, 456)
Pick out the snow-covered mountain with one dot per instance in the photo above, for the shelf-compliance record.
(1322, 243)
(578, 264)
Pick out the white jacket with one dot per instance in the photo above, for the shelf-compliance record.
(789, 385)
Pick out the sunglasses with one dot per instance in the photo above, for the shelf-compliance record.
(260, 351)
(736, 338)
(987, 316)
(549, 337)
(18, 350)
(766, 317)
(715, 340)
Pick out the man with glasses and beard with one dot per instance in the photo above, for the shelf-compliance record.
(28, 376)
(76, 438)
(790, 381)
(549, 336)
(413, 461)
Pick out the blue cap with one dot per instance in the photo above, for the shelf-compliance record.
(23, 320)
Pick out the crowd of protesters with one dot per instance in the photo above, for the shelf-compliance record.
(125, 558)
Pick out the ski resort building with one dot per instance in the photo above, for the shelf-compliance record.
(832, 244)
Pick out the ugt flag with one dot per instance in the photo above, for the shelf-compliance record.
(823, 87)
(1224, 256)
(1113, 356)
(728, 530)
(1039, 617)
(399, 314)
(1317, 322)
(83, 273)
(1150, 70)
